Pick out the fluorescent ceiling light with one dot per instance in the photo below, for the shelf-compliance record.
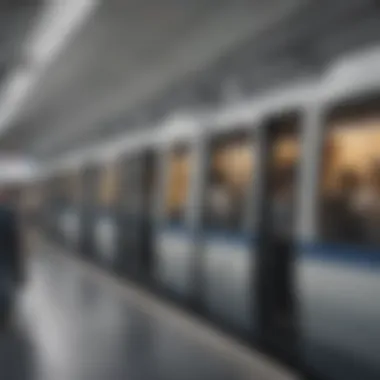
(58, 22)
(16, 169)
(13, 91)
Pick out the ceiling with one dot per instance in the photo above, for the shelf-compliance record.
(16, 19)
(126, 54)
(134, 61)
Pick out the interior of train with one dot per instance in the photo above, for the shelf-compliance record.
(178, 183)
(351, 174)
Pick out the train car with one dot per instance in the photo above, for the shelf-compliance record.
(252, 158)
(123, 234)
(176, 218)
(138, 184)
(186, 206)
(151, 221)
(261, 215)
(337, 272)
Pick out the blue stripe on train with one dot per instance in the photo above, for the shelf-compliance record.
(341, 253)
(318, 251)
(173, 227)
(228, 237)
(222, 236)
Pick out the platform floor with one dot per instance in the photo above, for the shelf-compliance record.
(75, 322)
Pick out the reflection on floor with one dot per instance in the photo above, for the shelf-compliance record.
(75, 323)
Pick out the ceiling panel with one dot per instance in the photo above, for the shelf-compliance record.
(127, 54)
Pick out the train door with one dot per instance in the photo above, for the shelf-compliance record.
(338, 272)
(71, 217)
(279, 164)
(90, 185)
(136, 203)
(44, 203)
(65, 206)
(148, 188)
(49, 207)
(54, 206)
(174, 255)
(60, 203)
(77, 200)
(227, 259)
(129, 216)
(40, 188)
(106, 224)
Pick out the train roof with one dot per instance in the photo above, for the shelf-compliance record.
(247, 112)
(181, 126)
(177, 127)
(352, 76)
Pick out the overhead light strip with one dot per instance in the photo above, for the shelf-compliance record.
(57, 24)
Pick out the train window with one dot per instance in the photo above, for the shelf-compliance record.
(148, 180)
(229, 179)
(137, 182)
(284, 152)
(130, 182)
(350, 184)
(90, 186)
(74, 188)
(178, 184)
(109, 186)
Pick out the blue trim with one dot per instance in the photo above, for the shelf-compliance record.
(341, 253)
(175, 227)
(228, 237)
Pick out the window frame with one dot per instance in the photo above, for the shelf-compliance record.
(224, 137)
(74, 189)
(105, 170)
(267, 130)
(149, 195)
(90, 184)
(126, 164)
(326, 109)
(166, 156)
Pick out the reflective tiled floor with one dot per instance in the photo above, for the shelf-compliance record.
(75, 323)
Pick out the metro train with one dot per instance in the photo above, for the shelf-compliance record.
(263, 215)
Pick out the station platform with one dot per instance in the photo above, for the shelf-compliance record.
(76, 322)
